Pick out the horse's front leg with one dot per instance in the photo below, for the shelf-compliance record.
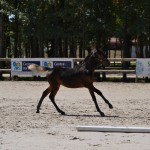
(45, 93)
(95, 102)
(100, 93)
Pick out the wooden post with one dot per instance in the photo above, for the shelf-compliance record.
(103, 76)
(124, 77)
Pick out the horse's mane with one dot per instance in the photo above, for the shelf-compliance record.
(88, 56)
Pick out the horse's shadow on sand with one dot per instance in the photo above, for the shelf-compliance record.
(106, 116)
(93, 116)
(99, 116)
(84, 115)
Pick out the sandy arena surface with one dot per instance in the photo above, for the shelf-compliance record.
(22, 129)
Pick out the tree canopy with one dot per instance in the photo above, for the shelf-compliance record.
(66, 28)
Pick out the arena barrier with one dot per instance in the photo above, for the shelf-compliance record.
(19, 65)
(113, 129)
(137, 66)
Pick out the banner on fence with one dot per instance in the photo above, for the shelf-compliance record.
(143, 67)
(19, 65)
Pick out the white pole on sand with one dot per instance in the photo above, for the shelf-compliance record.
(113, 129)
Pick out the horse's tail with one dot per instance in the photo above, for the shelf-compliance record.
(38, 69)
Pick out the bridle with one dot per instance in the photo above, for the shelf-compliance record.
(98, 59)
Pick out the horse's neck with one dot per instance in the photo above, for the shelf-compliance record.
(88, 65)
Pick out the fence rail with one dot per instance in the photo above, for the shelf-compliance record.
(6, 70)
(5, 59)
(113, 69)
(110, 59)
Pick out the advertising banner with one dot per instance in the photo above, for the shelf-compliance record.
(143, 67)
(25, 64)
(19, 65)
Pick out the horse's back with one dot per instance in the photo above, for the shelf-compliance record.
(70, 77)
(73, 78)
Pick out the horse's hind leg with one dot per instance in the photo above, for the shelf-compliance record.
(100, 93)
(95, 102)
(45, 93)
(52, 98)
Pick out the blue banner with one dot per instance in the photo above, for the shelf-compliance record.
(19, 65)
(64, 64)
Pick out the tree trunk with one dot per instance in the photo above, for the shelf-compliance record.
(34, 47)
(51, 51)
(65, 48)
(60, 49)
(26, 51)
(127, 45)
(0, 41)
(16, 54)
(72, 48)
(56, 48)
(126, 51)
(98, 41)
(8, 47)
(80, 49)
(0, 34)
(40, 49)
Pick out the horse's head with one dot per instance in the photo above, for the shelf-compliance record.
(95, 59)
(100, 58)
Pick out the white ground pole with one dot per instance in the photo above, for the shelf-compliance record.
(113, 129)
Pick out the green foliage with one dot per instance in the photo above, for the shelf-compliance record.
(83, 21)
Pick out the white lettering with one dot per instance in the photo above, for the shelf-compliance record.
(59, 64)
(26, 63)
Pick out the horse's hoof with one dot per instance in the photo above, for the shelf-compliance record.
(102, 114)
(111, 106)
(63, 113)
(38, 111)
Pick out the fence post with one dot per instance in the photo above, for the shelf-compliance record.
(124, 77)
(125, 65)
(136, 79)
(1, 77)
(103, 76)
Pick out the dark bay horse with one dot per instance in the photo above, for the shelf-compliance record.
(80, 76)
